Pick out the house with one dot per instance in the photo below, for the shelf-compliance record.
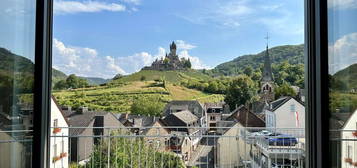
(137, 122)
(83, 121)
(59, 145)
(214, 113)
(348, 145)
(285, 112)
(157, 136)
(233, 152)
(181, 144)
(185, 125)
(193, 106)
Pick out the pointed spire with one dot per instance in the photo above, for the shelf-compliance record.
(267, 72)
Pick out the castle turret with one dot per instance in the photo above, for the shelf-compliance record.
(173, 48)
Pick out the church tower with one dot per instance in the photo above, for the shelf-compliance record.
(267, 82)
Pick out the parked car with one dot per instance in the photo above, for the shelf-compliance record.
(262, 133)
(274, 165)
(282, 140)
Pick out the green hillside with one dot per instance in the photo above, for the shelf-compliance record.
(294, 54)
(170, 76)
(347, 77)
(95, 80)
(119, 97)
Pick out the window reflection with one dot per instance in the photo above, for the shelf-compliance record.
(343, 82)
(17, 20)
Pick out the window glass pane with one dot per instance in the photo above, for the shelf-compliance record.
(17, 33)
(342, 40)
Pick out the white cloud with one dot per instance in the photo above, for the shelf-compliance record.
(70, 7)
(195, 61)
(183, 45)
(83, 61)
(342, 4)
(343, 53)
(135, 2)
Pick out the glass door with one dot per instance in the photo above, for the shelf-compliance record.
(17, 66)
(342, 69)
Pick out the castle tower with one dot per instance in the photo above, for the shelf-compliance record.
(173, 49)
(267, 82)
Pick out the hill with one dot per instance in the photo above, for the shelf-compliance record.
(170, 76)
(294, 54)
(347, 77)
(95, 80)
(118, 97)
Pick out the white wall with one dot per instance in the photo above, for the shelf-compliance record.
(350, 125)
(285, 118)
(61, 143)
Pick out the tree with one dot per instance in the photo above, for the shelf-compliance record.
(62, 84)
(284, 90)
(150, 107)
(187, 64)
(240, 91)
(142, 78)
(248, 71)
(131, 152)
(75, 82)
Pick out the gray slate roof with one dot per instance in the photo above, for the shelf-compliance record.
(186, 116)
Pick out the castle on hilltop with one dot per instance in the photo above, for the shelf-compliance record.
(170, 62)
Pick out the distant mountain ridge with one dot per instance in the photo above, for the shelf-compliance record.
(294, 54)
(95, 80)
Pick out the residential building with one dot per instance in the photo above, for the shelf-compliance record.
(235, 151)
(285, 112)
(185, 125)
(59, 150)
(348, 146)
(157, 136)
(193, 106)
(214, 113)
(82, 134)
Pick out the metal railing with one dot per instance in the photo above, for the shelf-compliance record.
(343, 148)
(166, 147)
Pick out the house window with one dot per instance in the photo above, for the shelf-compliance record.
(349, 151)
(213, 118)
(55, 123)
(55, 150)
(292, 108)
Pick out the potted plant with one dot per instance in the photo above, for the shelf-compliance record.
(55, 159)
(56, 130)
(348, 160)
(63, 154)
(354, 133)
(354, 164)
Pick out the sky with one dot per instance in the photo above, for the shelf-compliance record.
(102, 38)
(105, 37)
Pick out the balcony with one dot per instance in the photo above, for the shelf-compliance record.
(125, 147)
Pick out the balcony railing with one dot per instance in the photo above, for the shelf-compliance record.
(171, 147)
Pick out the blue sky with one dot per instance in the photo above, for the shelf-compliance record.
(106, 37)
(124, 35)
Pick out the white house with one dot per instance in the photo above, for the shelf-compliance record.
(349, 146)
(287, 113)
(59, 145)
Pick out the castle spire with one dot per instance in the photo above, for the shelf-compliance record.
(267, 72)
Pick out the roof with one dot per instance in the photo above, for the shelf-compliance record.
(258, 106)
(281, 101)
(246, 118)
(83, 120)
(186, 116)
(181, 119)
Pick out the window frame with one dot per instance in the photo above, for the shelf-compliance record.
(316, 47)
(42, 83)
(316, 79)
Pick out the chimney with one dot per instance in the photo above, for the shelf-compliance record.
(83, 110)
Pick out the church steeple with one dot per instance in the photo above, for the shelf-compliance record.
(267, 83)
(267, 72)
